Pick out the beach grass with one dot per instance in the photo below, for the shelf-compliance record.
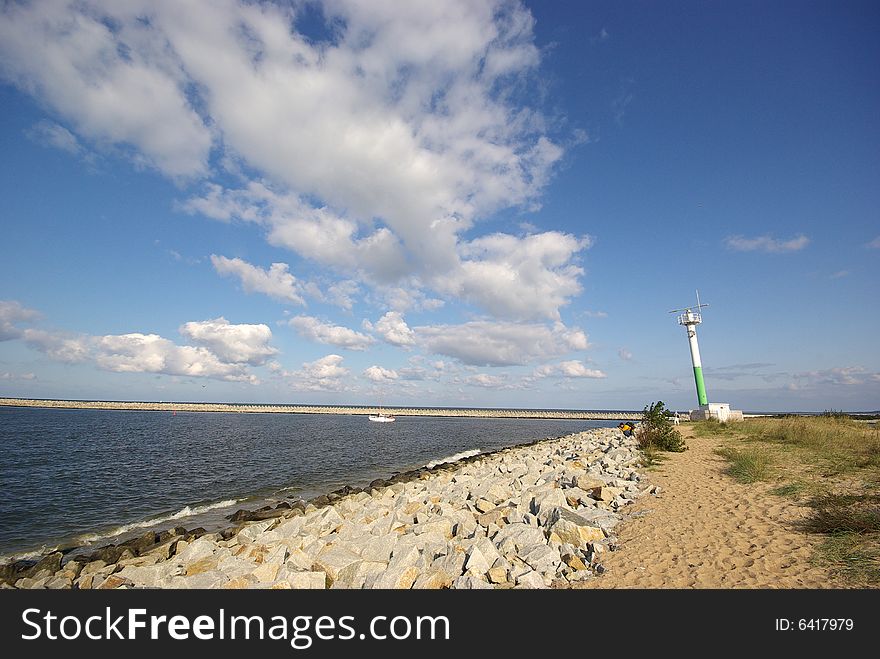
(832, 463)
(747, 465)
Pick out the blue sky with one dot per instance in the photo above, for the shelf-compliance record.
(456, 203)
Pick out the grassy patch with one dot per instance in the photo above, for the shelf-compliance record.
(852, 556)
(845, 513)
(652, 457)
(841, 445)
(788, 490)
(747, 465)
(832, 458)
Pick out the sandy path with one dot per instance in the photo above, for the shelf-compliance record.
(705, 530)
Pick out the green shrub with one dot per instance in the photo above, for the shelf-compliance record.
(656, 432)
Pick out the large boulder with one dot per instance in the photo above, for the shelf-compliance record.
(567, 526)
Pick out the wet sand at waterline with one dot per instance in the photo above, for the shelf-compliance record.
(706, 530)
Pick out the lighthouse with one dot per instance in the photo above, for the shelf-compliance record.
(689, 318)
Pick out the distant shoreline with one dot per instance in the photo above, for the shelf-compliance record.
(320, 409)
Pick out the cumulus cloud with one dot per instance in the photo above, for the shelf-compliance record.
(488, 343)
(150, 353)
(521, 278)
(315, 330)
(60, 346)
(874, 244)
(108, 73)
(624, 354)
(375, 141)
(379, 374)
(394, 330)
(766, 244)
(275, 282)
(568, 369)
(138, 353)
(225, 351)
(232, 343)
(11, 314)
(324, 374)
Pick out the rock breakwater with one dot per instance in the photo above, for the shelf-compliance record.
(316, 409)
(529, 516)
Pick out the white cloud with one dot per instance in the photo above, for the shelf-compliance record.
(839, 274)
(51, 134)
(874, 244)
(110, 74)
(489, 381)
(379, 374)
(137, 353)
(12, 313)
(766, 244)
(845, 375)
(624, 354)
(374, 149)
(324, 374)
(520, 278)
(596, 314)
(59, 346)
(150, 353)
(487, 343)
(275, 282)
(568, 369)
(232, 343)
(315, 330)
(341, 293)
(394, 330)
(7, 375)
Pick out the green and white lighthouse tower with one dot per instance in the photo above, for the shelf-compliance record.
(691, 317)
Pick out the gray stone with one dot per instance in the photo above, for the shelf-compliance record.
(530, 580)
(333, 560)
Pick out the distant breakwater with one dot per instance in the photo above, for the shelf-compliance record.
(319, 409)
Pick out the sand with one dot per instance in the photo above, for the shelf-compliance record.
(706, 530)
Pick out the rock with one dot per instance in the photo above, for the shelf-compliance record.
(572, 528)
(238, 583)
(205, 564)
(470, 583)
(588, 482)
(113, 581)
(476, 564)
(267, 572)
(332, 560)
(363, 575)
(315, 580)
(433, 580)
(498, 574)
(379, 548)
(400, 577)
(513, 537)
(530, 580)
(195, 551)
(606, 493)
(204, 580)
(573, 561)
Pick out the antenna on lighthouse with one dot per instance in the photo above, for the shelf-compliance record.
(690, 319)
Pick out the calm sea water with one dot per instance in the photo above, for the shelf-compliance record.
(90, 477)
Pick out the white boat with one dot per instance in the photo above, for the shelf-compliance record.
(381, 417)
